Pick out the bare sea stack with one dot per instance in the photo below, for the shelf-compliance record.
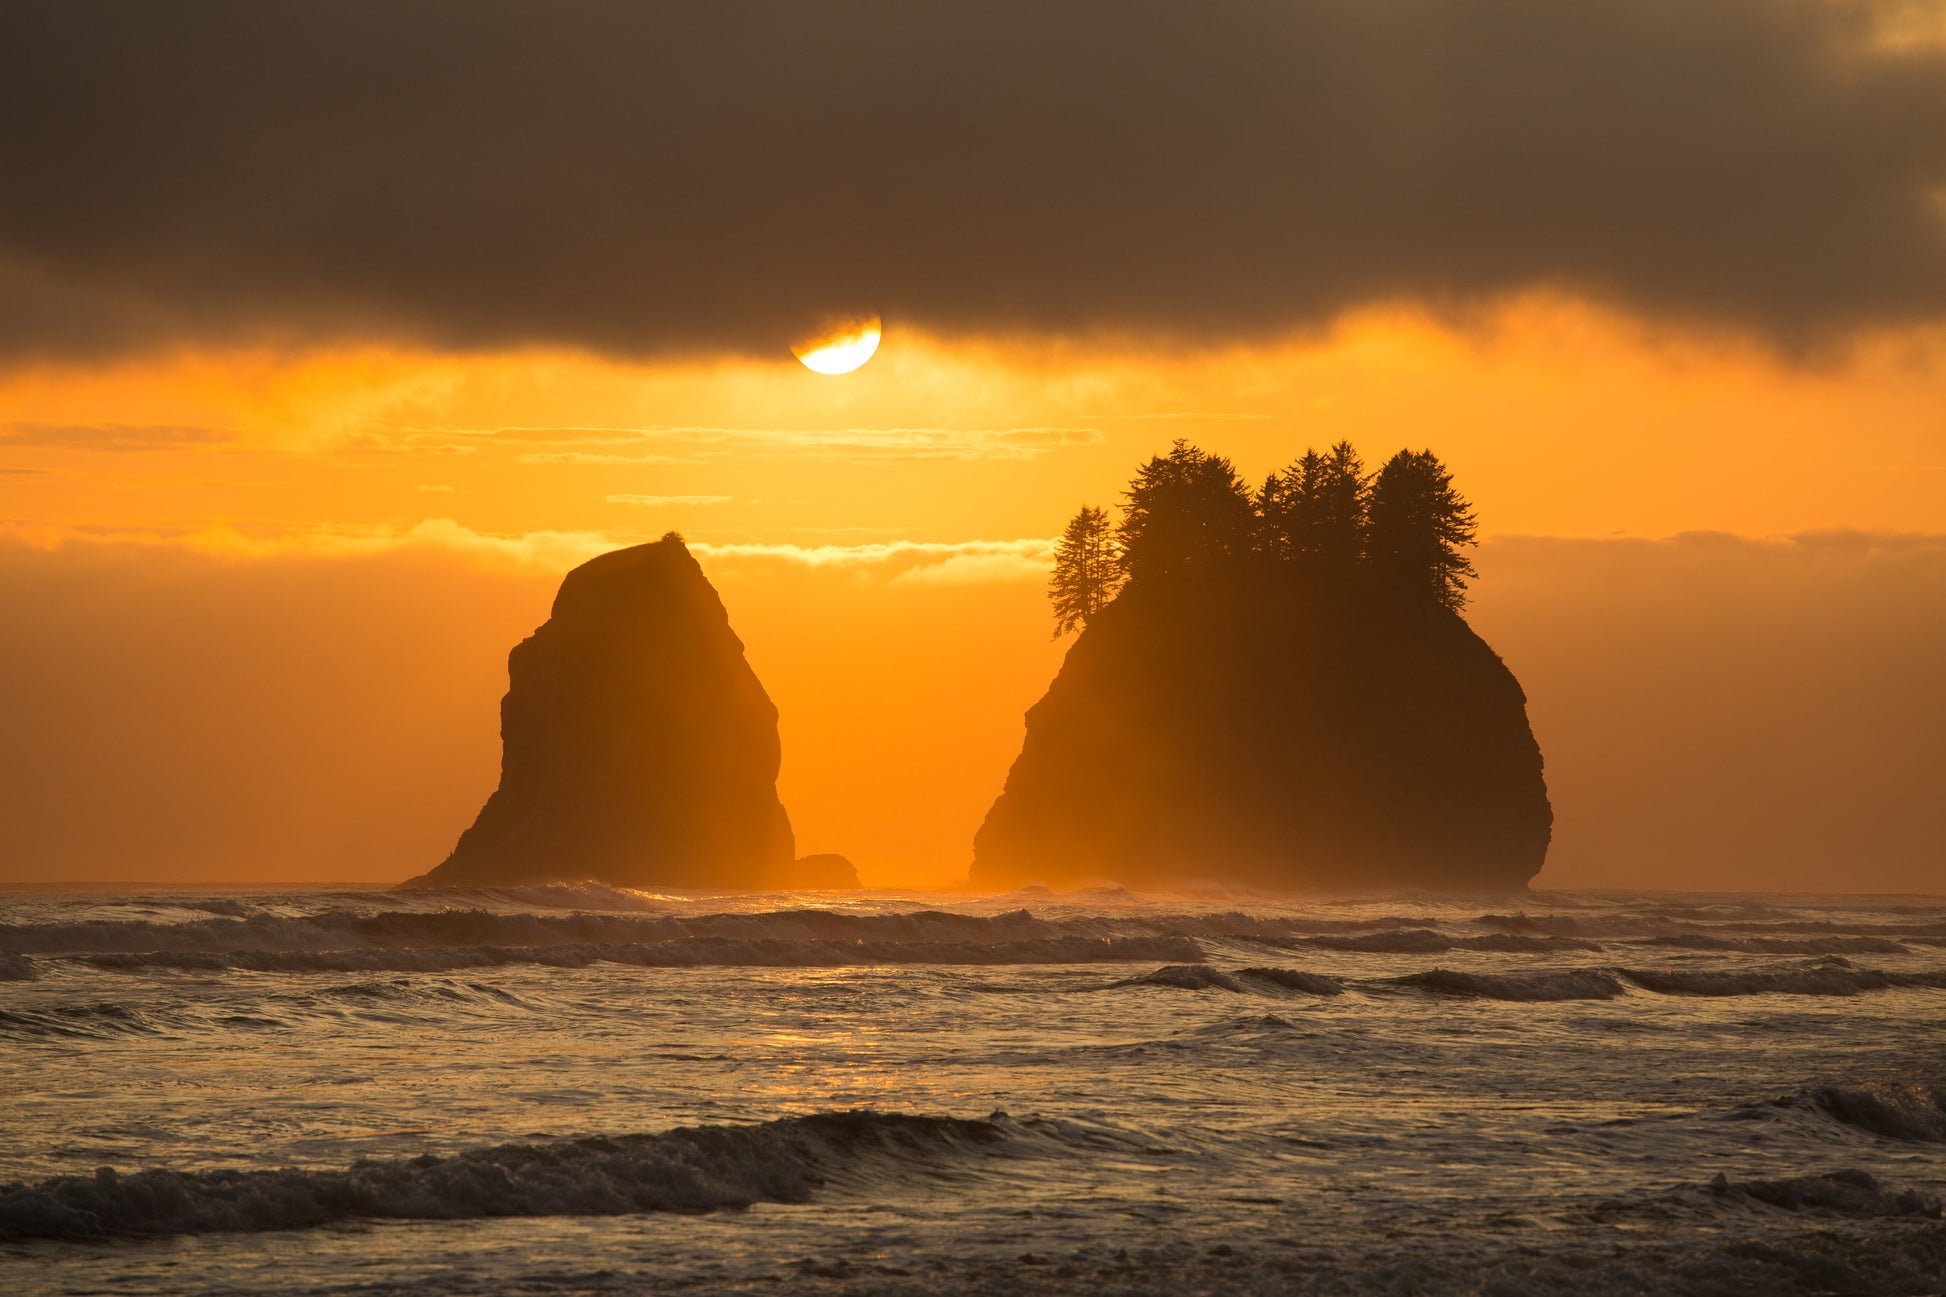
(638, 747)
(1246, 727)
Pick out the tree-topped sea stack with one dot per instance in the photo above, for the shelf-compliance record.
(1273, 689)
(639, 748)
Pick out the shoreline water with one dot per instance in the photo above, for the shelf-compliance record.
(525, 1090)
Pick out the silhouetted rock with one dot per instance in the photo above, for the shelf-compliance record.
(639, 748)
(826, 869)
(1244, 726)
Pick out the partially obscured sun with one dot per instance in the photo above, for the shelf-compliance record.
(839, 346)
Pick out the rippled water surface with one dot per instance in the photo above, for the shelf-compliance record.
(582, 1089)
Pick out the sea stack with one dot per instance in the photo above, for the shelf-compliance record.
(638, 747)
(1250, 727)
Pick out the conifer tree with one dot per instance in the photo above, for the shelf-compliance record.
(1185, 509)
(1337, 523)
(1273, 505)
(1087, 570)
(1314, 511)
(1299, 506)
(1419, 525)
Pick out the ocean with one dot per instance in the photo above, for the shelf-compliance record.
(585, 1089)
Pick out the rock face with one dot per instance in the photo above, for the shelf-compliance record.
(1249, 729)
(638, 747)
(826, 869)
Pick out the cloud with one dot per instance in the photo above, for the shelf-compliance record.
(957, 561)
(662, 501)
(666, 178)
(545, 550)
(951, 562)
(1200, 416)
(542, 549)
(1000, 566)
(589, 457)
(109, 436)
(707, 442)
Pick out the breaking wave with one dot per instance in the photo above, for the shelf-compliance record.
(1541, 986)
(1832, 976)
(391, 1000)
(78, 1022)
(406, 929)
(1849, 1193)
(695, 952)
(1291, 979)
(1828, 977)
(16, 968)
(1781, 945)
(1184, 977)
(1416, 941)
(1201, 977)
(692, 1169)
(1910, 1113)
(351, 929)
(1686, 921)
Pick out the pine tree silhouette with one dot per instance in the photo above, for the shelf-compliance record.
(1403, 528)
(1314, 511)
(1087, 570)
(1185, 509)
(1419, 525)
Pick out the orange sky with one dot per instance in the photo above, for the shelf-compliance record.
(1558, 420)
(382, 524)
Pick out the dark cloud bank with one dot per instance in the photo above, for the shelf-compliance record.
(642, 177)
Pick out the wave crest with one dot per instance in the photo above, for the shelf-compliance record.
(698, 1168)
(1184, 977)
(1262, 981)
(1781, 945)
(695, 952)
(1545, 985)
(77, 1022)
(1831, 976)
(1424, 941)
(1851, 1193)
(1906, 1112)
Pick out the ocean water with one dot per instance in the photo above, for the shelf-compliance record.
(581, 1089)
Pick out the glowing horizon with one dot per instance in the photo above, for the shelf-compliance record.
(882, 545)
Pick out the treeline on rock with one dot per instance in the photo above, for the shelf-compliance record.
(1403, 528)
(1273, 688)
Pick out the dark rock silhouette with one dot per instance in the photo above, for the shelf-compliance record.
(1247, 725)
(826, 869)
(638, 747)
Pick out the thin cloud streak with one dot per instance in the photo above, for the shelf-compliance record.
(593, 457)
(972, 559)
(573, 444)
(110, 436)
(658, 501)
(967, 560)
(1210, 416)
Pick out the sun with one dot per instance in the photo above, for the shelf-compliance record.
(840, 345)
